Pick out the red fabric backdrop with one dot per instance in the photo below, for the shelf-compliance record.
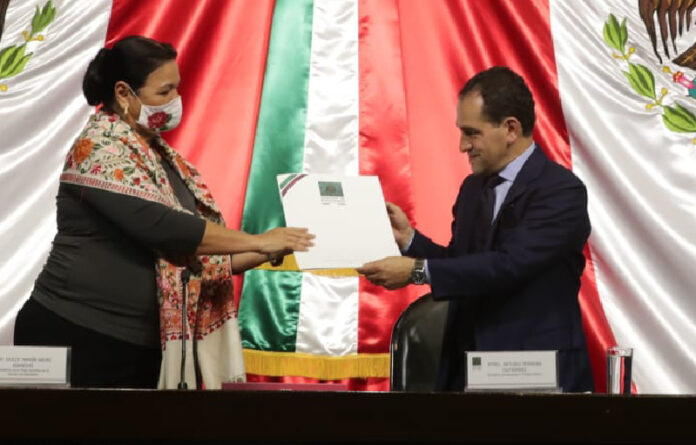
(415, 56)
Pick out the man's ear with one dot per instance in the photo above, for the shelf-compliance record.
(513, 129)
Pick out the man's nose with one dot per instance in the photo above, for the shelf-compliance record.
(464, 145)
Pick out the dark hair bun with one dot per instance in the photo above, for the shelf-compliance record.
(130, 60)
(94, 84)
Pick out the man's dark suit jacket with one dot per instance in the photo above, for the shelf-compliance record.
(521, 292)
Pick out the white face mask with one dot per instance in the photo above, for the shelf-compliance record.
(160, 117)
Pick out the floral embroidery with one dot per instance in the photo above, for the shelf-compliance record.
(182, 166)
(142, 143)
(82, 149)
(109, 155)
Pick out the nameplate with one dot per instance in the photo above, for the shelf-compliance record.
(511, 370)
(34, 366)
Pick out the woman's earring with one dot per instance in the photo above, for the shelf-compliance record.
(125, 110)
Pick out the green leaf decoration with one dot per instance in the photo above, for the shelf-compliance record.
(43, 17)
(20, 65)
(613, 34)
(52, 14)
(679, 119)
(10, 58)
(641, 80)
(19, 53)
(13, 60)
(48, 14)
(5, 54)
(623, 34)
(35, 21)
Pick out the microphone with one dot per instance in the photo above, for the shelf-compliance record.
(185, 276)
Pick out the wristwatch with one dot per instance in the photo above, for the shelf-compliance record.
(418, 272)
(274, 260)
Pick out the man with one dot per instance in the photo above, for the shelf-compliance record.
(513, 265)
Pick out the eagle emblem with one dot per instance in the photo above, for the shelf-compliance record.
(672, 18)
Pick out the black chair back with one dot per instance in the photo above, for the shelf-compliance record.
(416, 343)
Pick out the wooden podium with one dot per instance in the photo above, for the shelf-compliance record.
(282, 417)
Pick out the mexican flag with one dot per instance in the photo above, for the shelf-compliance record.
(369, 87)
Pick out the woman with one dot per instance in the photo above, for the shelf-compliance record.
(137, 231)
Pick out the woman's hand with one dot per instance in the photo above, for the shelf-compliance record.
(219, 240)
(282, 240)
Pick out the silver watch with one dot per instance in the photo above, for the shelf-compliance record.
(418, 272)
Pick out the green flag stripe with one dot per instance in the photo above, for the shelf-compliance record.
(270, 300)
(270, 309)
(279, 143)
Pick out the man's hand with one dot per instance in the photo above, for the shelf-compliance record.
(392, 272)
(401, 227)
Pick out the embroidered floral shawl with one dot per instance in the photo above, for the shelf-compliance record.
(109, 155)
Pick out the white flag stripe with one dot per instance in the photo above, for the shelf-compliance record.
(40, 113)
(331, 127)
(640, 178)
(328, 319)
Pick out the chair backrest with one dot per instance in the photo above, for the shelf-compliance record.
(416, 343)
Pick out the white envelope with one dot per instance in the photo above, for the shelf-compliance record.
(348, 215)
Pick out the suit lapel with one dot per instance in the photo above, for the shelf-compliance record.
(466, 214)
(530, 171)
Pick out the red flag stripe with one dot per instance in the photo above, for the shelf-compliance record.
(384, 150)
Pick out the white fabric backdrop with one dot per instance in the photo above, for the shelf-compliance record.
(641, 179)
(34, 140)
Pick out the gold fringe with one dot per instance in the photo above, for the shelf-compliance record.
(290, 264)
(316, 366)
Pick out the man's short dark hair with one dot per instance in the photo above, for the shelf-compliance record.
(504, 94)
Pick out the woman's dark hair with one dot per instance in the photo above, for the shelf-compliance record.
(131, 60)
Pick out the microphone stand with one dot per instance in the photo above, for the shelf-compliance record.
(185, 275)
